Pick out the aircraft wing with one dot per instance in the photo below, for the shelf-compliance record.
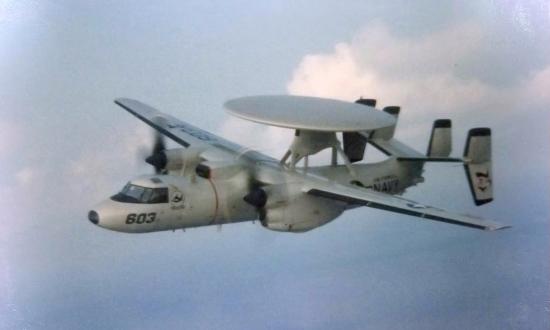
(371, 198)
(183, 133)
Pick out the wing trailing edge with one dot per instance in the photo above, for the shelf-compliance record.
(358, 196)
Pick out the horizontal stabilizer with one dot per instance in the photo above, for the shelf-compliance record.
(430, 159)
(393, 147)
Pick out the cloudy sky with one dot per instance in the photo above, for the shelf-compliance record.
(64, 146)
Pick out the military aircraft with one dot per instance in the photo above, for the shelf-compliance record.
(212, 181)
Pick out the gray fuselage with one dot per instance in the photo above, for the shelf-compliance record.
(193, 200)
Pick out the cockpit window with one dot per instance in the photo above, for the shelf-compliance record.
(159, 196)
(137, 194)
(147, 195)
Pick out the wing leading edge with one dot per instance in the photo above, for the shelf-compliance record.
(183, 133)
(187, 135)
(386, 202)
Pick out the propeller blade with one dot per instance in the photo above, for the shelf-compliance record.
(256, 197)
(158, 161)
(160, 144)
(158, 158)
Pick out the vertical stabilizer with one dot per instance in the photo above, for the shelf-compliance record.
(478, 166)
(355, 143)
(440, 140)
(387, 133)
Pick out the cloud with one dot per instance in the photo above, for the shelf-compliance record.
(538, 88)
(394, 58)
(422, 74)
(94, 173)
(415, 73)
(96, 169)
(26, 176)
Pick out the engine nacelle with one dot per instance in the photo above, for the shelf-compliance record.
(178, 159)
(303, 213)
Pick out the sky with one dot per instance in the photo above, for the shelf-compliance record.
(64, 146)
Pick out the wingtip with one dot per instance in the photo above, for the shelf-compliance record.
(497, 227)
(120, 100)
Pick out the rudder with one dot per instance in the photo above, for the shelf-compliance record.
(478, 164)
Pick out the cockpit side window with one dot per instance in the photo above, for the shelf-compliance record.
(160, 195)
(136, 194)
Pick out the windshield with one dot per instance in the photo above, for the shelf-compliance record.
(137, 194)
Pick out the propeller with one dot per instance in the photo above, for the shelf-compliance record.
(256, 196)
(158, 158)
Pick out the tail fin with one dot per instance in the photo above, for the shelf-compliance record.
(387, 133)
(478, 165)
(440, 141)
(439, 147)
(356, 142)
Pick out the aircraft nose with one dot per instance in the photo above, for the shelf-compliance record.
(93, 217)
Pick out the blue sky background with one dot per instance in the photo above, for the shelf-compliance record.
(64, 146)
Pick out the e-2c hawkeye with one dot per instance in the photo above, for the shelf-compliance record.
(213, 181)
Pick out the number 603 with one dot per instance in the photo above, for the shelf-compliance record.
(140, 218)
